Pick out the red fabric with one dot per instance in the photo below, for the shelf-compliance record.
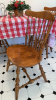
(16, 27)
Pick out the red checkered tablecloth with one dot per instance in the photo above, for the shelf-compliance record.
(53, 29)
(16, 27)
(12, 27)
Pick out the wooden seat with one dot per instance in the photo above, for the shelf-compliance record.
(25, 56)
(4, 41)
(52, 9)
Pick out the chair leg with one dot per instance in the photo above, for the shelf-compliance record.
(51, 49)
(17, 84)
(0, 43)
(8, 64)
(42, 72)
(46, 50)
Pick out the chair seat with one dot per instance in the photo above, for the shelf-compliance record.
(23, 56)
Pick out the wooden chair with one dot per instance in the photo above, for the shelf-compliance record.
(3, 13)
(25, 56)
(52, 9)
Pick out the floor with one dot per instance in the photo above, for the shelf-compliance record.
(39, 90)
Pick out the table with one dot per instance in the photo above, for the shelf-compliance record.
(11, 28)
(16, 27)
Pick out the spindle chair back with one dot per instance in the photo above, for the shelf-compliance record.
(53, 10)
(28, 55)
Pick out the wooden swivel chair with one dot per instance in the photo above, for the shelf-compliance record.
(52, 9)
(4, 41)
(25, 56)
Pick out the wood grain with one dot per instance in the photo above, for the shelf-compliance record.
(42, 14)
(23, 56)
(50, 8)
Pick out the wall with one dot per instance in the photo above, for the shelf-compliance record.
(36, 5)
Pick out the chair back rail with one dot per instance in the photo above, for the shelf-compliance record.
(50, 8)
(42, 25)
(53, 9)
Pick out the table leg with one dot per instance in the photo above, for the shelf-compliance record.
(17, 84)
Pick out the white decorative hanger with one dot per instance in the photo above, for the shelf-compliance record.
(2, 10)
(1, 13)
